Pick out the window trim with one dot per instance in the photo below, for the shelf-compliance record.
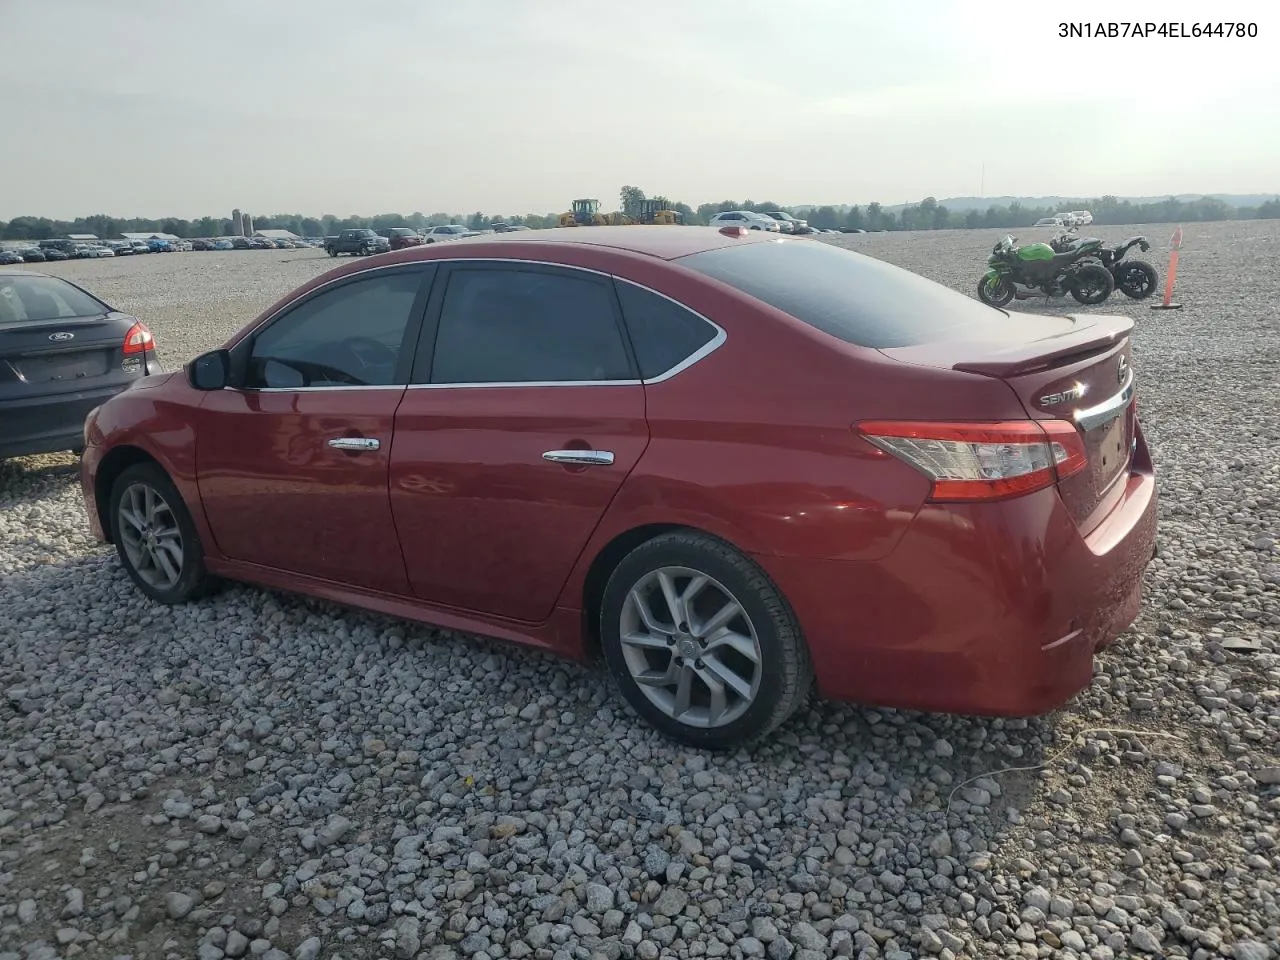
(432, 288)
(426, 272)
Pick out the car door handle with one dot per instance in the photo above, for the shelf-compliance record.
(586, 458)
(355, 443)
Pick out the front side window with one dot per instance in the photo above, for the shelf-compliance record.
(528, 326)
(350, 336)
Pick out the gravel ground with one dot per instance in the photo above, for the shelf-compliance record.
(261, 775)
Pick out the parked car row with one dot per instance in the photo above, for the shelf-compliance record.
(67, 249)
(254, 243)
(362, 241)
(772, 221)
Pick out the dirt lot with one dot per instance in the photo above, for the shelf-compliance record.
(260, 775)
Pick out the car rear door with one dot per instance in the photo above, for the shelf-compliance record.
(292, 464)
(524, 416)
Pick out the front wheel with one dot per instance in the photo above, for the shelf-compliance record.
(701, 643)
(155, 536)
(1136, 279)
(1092, 283)
(995, 290)
(333, 251)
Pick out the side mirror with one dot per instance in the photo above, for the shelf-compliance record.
(210, 371)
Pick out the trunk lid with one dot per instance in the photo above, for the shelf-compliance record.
(1078, 368)
(65, 355)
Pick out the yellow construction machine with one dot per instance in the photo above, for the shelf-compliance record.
(586, 213)
(656, 211)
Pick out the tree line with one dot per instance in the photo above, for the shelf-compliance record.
(926, 215)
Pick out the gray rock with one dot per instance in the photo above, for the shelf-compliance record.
(1145, 939)
(599, 898)
(671, 902)
(178, 905)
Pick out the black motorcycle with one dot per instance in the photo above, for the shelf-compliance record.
(1136, 279)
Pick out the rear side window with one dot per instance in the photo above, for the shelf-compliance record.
(856, 298)
(663, 333)
(44, 298)
(528, 326)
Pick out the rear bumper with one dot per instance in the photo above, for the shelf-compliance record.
(49, 424)
(993, 609)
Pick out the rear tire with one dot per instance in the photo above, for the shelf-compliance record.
(333, 252)
(155, 536)
(1092, 284)
(714, 667)
(995, 291)
(1136, 279)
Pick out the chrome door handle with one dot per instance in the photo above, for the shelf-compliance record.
(586, 458)
(354, 443)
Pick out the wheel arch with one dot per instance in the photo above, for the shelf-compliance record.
(606, 561)
(113, 464)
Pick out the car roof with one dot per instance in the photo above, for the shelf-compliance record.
(662, 241)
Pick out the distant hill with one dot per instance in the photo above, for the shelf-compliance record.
(965, 204)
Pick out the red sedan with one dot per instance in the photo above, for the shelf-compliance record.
(739, 466)
(402, 237)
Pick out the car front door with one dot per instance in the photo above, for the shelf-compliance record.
(524, 416)
(293, 460)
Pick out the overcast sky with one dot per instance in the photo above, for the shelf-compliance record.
(155, 108)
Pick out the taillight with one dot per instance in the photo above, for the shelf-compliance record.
(983, 461)
(138, 340)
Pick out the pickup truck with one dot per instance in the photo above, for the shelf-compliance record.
(360, 242)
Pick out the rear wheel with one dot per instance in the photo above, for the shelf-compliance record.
(333, 251)
(1136, 279)
(701, 643)
(995, 291)
(155, 537)
(1092, 283)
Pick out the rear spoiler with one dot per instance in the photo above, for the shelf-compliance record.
(1089, 334)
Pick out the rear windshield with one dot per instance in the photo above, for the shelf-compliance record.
(857, 298)
(44, 298)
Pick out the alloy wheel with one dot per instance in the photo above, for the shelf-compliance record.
(690, 647)
(150, 535)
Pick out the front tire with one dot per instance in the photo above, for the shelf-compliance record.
(701, 643)
(995, 291)
(1136, 279)
(155, 536)
(1092, 284)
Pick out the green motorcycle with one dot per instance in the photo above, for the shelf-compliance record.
(1037, 270)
